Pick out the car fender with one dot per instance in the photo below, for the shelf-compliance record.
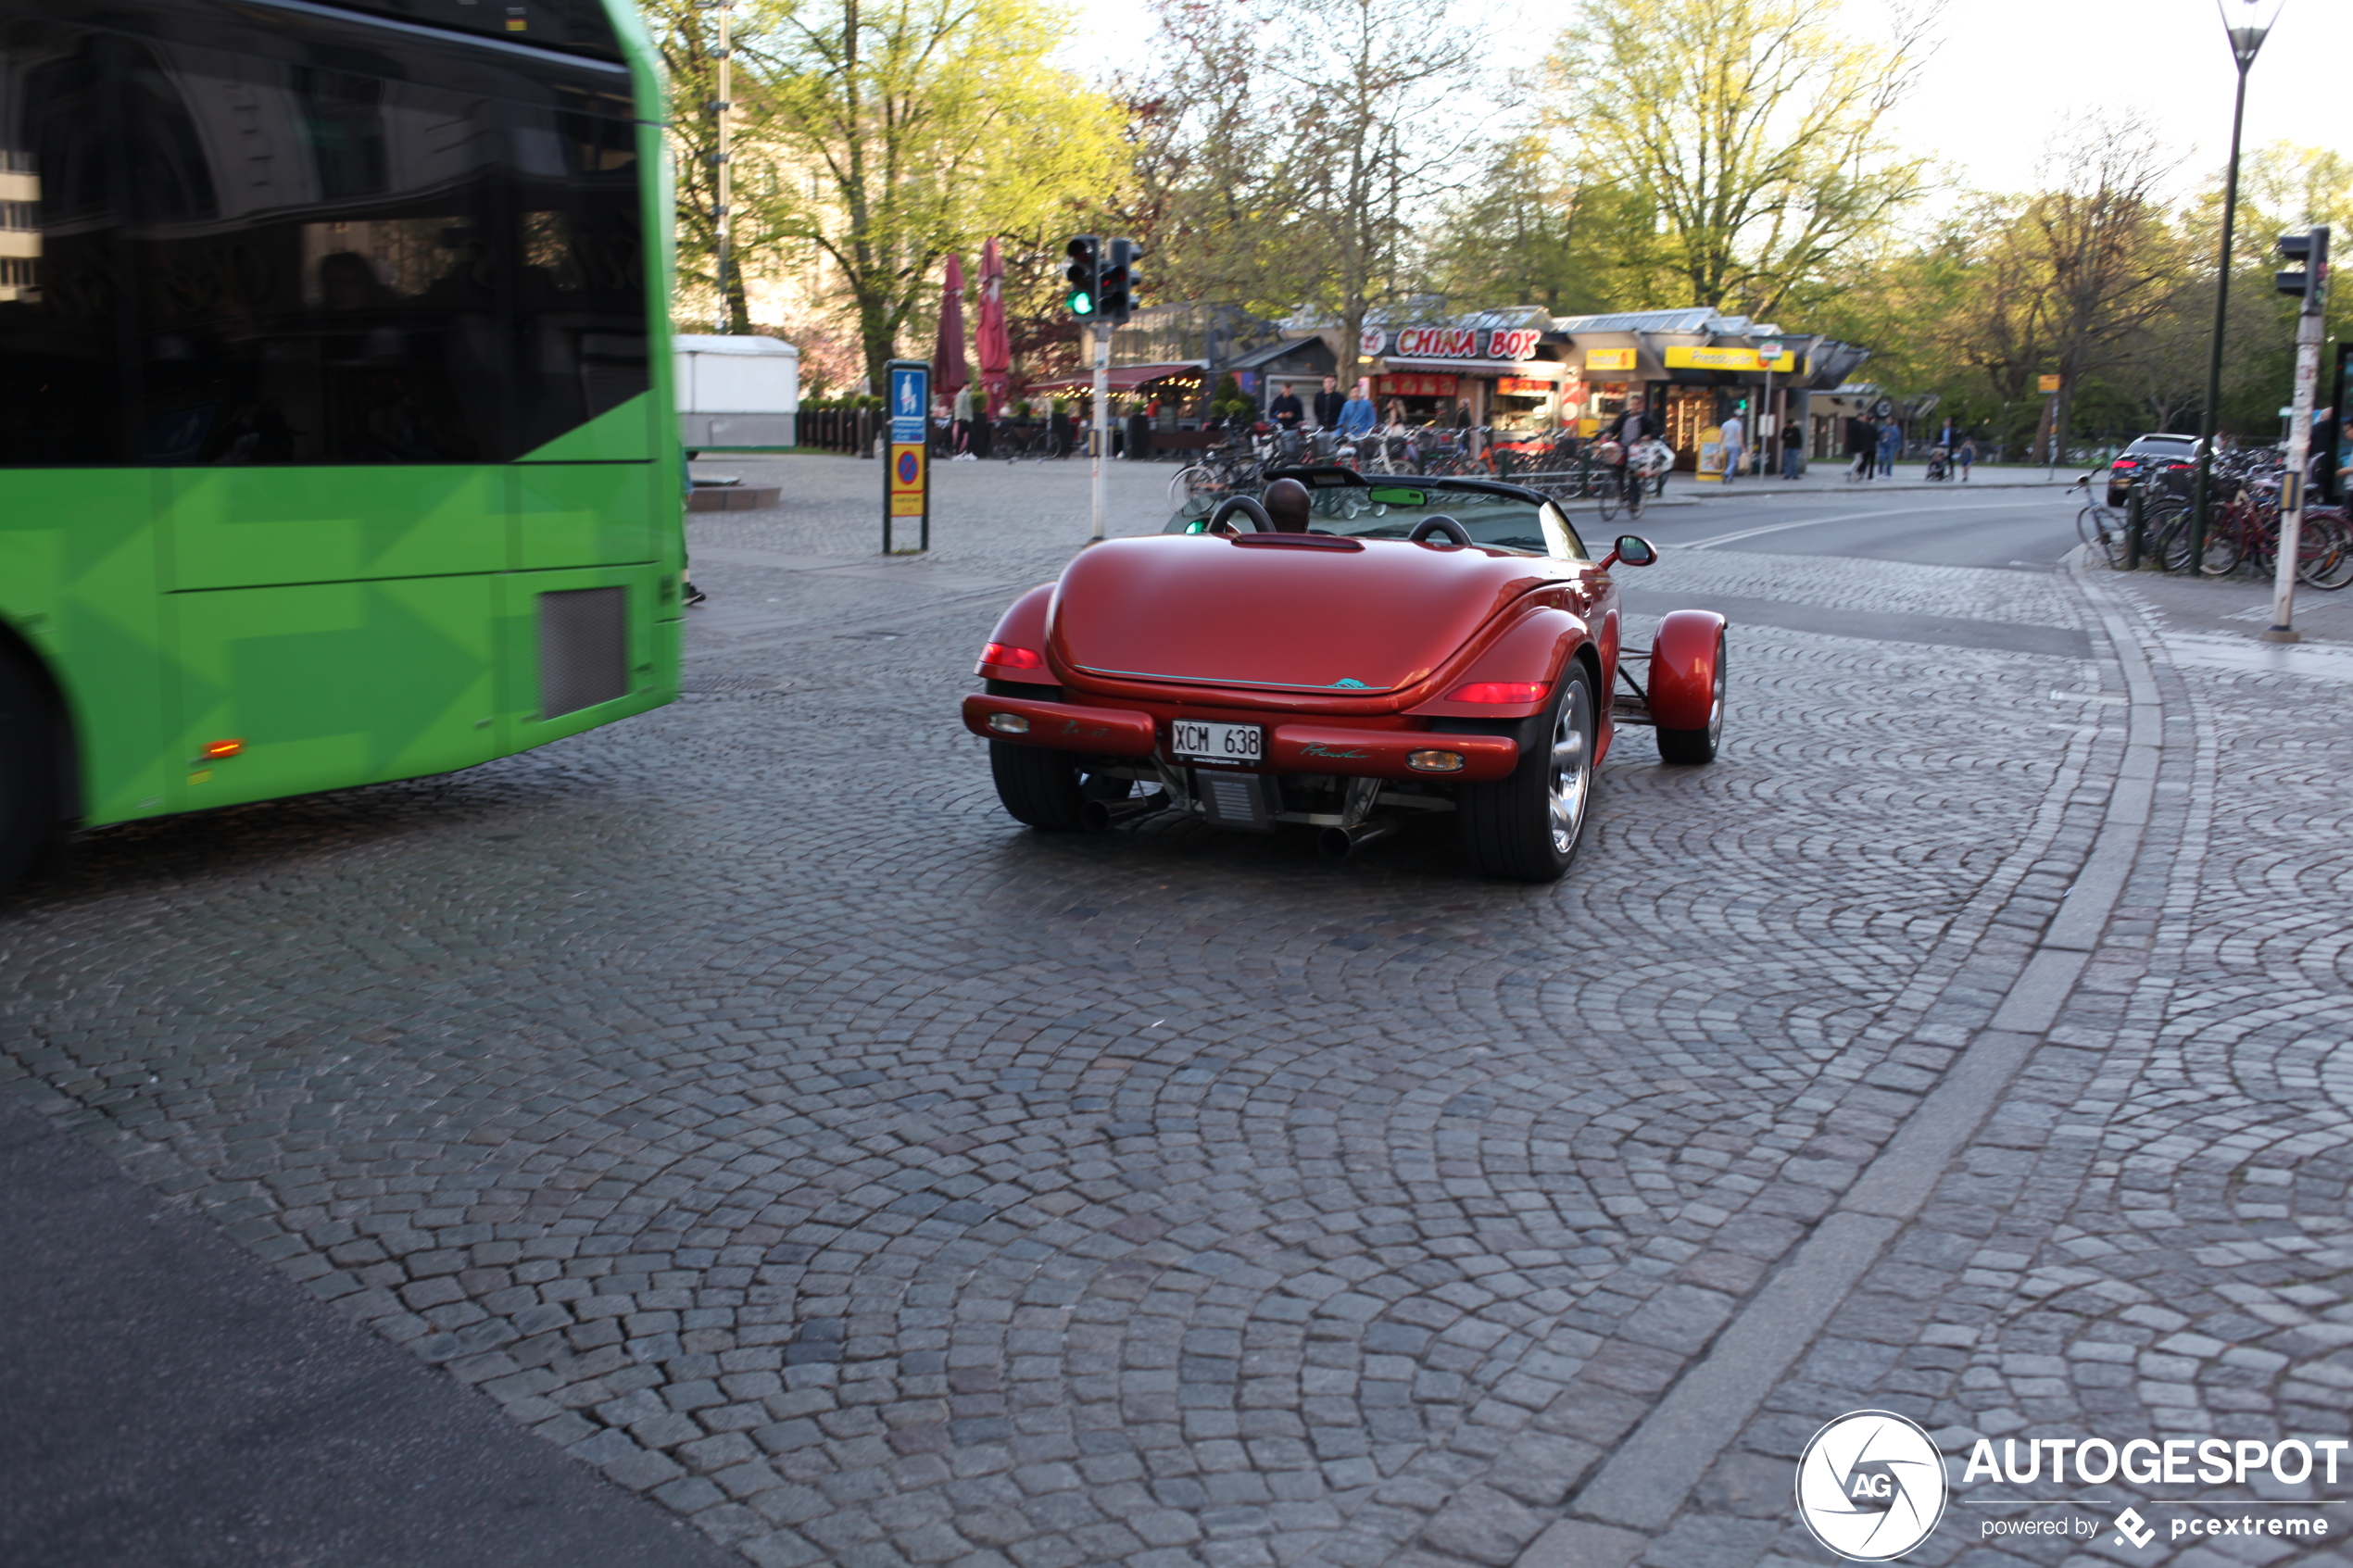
(1535, 648)
(1024, 626)
(1682, 669)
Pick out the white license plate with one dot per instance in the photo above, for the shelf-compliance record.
(1217, 743)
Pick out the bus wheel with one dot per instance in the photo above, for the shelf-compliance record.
(28, 770)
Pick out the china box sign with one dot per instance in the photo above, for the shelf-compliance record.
(1465, 343)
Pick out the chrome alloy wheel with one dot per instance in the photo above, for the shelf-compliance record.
(1716, 703)
(1569, 778)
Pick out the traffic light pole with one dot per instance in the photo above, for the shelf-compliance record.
(2310, 324)
(1103, 422)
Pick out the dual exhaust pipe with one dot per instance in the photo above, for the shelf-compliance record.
(1102, 816)
(1338, 844)
(1332, 844)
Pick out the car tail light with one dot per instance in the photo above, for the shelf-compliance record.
(1435, 762)
(1008, 656)
(1009, 723)
(219, 750)
(1500, 690)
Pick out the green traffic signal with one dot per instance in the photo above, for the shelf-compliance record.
(1084, 273)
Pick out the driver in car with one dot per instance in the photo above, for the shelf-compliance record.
(1287, 504)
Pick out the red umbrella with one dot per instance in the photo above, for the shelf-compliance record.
(995, 348)
(948, 371)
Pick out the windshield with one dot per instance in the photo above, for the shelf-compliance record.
(1383, 510)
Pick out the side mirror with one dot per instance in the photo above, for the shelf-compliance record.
(1631, 549)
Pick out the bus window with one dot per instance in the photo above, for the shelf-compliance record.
(61, 384)
(418, 255)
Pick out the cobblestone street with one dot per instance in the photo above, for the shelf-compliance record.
(745, 1103)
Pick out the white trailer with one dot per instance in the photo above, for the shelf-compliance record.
(737, 394)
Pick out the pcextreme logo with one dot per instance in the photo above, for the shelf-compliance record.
(1870, 1485)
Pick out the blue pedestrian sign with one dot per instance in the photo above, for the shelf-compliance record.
(910, 400)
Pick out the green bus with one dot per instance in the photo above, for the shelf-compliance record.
(336, 430)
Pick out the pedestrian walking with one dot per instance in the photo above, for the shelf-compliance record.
(961, 433)
(1735, 439)
(1965, 455)
(1862, 447)
(1891, 441)
(1792, 450)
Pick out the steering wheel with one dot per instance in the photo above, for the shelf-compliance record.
(1441, 523)
(1246, 504)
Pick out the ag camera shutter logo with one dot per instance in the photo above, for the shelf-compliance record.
(1870, 1485)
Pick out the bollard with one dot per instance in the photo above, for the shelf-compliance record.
(2132, 527)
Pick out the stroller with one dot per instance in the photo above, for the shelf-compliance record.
(1940, 463)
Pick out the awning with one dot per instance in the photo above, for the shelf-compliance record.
(1540, 369)
(1123, 378)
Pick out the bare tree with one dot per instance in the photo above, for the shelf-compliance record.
(1375, 85)
(1756, 126)
(2110, 258)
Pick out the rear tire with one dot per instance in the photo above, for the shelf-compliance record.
(1689, 747)
(27, 772)
(1037, 786)
(1527, 827)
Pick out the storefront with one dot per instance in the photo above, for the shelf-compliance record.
(1494, 371)
(1695, 370)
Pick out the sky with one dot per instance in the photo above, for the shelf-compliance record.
(2008, 74)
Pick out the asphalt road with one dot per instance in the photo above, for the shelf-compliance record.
(2004, 529)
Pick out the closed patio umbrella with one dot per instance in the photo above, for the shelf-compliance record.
(989, 340)
(948, 372)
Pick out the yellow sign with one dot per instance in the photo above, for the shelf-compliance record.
(1609, 358)
(2050, 384)
(1732, 360)
(909, 477)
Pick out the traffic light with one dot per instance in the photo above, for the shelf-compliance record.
(1114, 300)
(2308, 281)
(1085, 273)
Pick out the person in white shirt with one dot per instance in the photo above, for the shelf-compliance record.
(1735, 442)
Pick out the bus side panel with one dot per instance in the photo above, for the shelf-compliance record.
(647, 672)
(246, 527)
(329, 684)
(78, 581)
(581, 514)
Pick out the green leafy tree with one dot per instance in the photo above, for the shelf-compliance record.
(878, 136)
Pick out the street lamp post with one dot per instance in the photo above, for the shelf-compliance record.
(723, 219)
(2246, 38)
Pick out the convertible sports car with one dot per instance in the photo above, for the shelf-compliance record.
(1343, 650)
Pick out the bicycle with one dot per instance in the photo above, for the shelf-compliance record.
(2099, 526)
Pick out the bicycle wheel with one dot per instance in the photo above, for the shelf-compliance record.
(1187, 483)
(2224, 548)
(2103, 530)
(1611, 491)
(2168, 537)
(2325, 553)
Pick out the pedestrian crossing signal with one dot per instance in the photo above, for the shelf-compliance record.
(1085, 273)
